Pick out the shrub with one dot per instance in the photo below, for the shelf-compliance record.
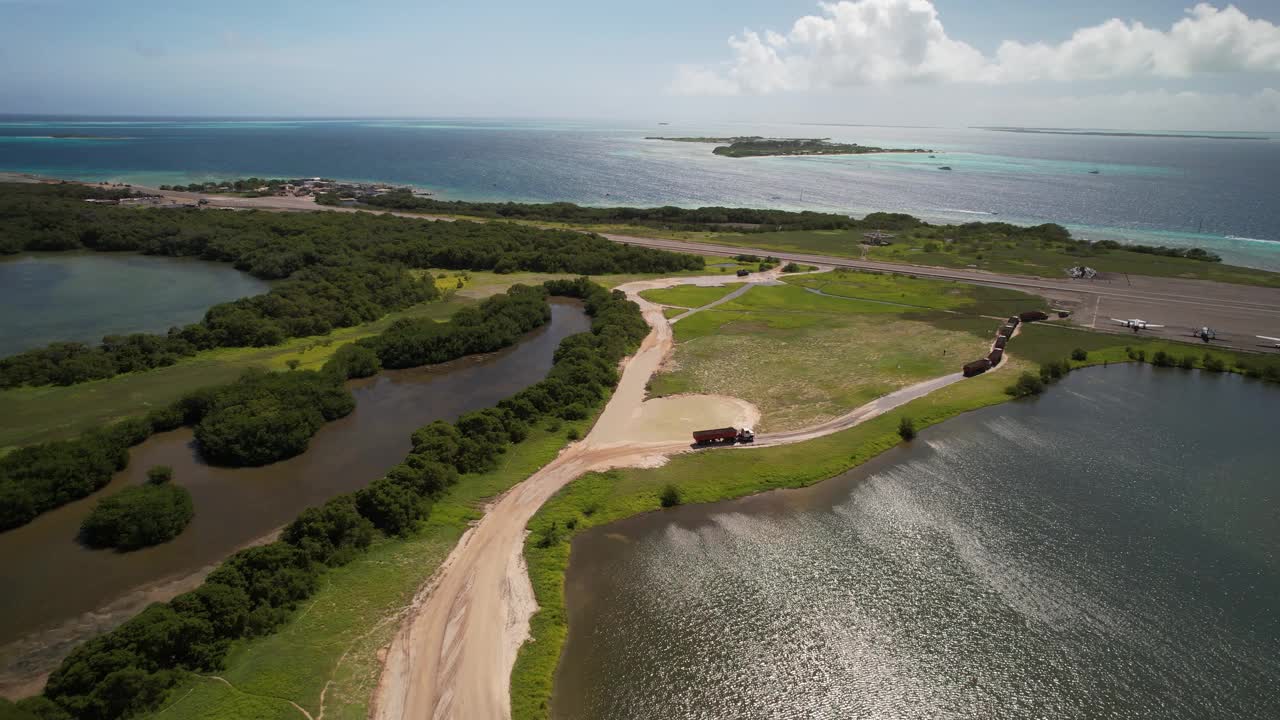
(907, 428)
(573, 434)
(1187, 362)
(549, 535)
(1027, 384)
(791, 268)
(1214, 364)
(137, 517)
(1162, 359)
(159, 475)
(670, 496)
(1079, 354)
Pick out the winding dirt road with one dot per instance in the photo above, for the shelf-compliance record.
(453, 656)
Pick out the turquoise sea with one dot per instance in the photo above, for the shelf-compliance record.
(1216, 193)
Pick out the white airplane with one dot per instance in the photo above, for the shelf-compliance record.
(1275, 341)
(1136, 324)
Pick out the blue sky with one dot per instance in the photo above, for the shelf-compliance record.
(873, 61)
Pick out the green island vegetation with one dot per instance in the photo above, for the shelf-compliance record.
(756, 146)
(134, 668)
(1040, 354)
(804, 358)
(140, 516)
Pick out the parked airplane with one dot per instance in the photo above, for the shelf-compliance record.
(1275, 341)
(1136, 324)
(1205, 333)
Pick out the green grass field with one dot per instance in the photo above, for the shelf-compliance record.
(921, 292)
(804, 358)
(689, 296)
(331, 646)
(995, 255)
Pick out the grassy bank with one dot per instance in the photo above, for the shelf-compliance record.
(600, 498)
(689, 296)
(804, 358)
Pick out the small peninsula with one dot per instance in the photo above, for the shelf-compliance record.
(756, 146)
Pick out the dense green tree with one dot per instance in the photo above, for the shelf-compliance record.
(138, 517)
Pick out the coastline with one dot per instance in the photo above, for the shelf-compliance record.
(1258, 253)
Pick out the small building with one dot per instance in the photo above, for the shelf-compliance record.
(995, 356)
(1033, 316)
(1001, 341)
(1005, 330)
(1014, 320)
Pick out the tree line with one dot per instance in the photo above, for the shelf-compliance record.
(342, 269)
(666, 216)
(263, 416)
(130, 669)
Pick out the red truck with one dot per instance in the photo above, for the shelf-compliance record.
(723, 435)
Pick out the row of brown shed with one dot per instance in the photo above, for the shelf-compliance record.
(993, 358)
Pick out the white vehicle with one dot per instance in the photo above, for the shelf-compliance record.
(1136, 324)
(1274, 341)
(1206, 334)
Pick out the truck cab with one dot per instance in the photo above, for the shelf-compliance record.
(746, 435)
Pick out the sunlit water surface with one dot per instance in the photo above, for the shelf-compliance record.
(1108, 550)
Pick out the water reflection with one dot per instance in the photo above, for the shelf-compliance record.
(1107, 551)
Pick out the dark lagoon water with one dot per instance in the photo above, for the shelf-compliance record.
(57, 592)
(1214, 193)
(1109, 550)
(51, 297)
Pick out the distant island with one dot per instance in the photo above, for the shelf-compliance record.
(755, 146)
(1119, 133)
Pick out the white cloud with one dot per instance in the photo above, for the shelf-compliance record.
(876, 42)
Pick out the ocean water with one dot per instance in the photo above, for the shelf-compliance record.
(1212, 193)
(1109, 550)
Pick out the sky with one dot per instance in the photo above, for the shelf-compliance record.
(1128, 64)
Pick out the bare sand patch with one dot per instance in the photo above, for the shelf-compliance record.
(673, 419)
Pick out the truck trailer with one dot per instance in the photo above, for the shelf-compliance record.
(977, 367)
(726, 435)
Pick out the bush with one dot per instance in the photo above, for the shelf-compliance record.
(1214, 364)
(573, 434)
(670, 496)
(138, 517)
(1054, 370)
(1187, 362)
(907, 428)
(1162, 359)
(1080, 355)
(791, 268)
(549, 535)
(1027, 384)
(159, 475)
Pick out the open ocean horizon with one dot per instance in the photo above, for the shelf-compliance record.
(1186, 191)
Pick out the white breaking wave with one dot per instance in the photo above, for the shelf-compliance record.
(1248, 239)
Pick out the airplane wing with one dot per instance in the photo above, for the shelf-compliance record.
(1264, 337)
(1151, 326)
(1122, 322)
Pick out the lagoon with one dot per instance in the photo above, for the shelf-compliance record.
(1108, 550)
(55, 297)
